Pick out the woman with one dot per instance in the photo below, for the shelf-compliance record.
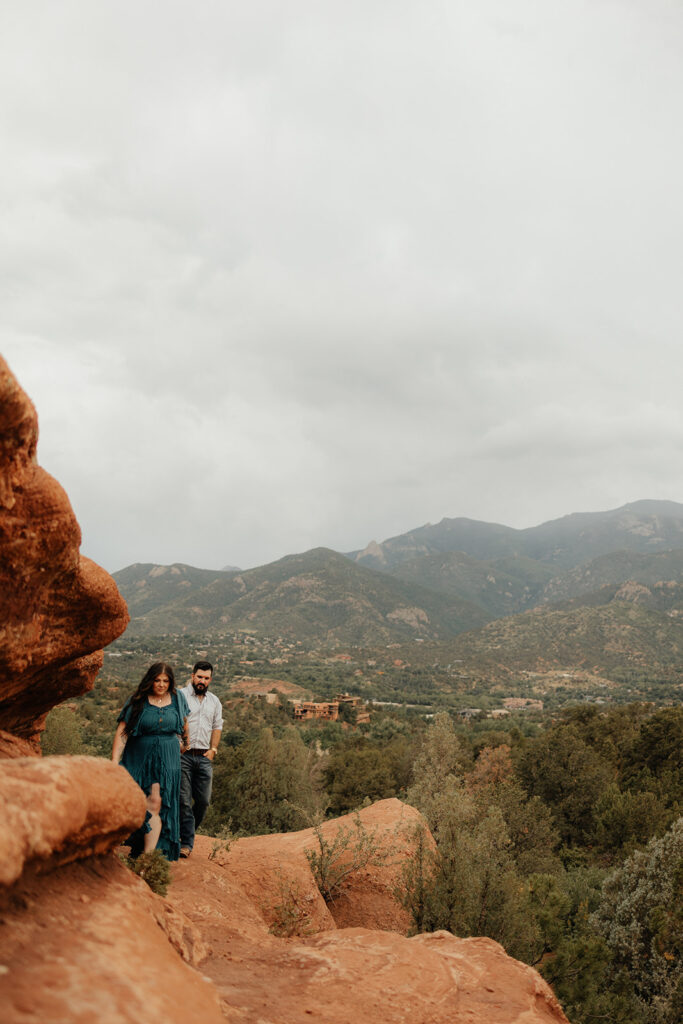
(146, 744)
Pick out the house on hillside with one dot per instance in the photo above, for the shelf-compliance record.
(358, 705)
(522, 704)
(305, 710)
(468, 713)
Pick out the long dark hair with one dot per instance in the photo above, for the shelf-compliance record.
(145, 687)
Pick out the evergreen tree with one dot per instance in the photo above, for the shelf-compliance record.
(640, 917)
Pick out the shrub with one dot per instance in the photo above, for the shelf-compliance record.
(641, 920)
(153, 868)
(290, 915)
(351, 850)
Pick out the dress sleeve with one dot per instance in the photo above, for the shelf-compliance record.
(183, 707)
(124, 714)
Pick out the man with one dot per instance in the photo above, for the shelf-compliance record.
(205, 723)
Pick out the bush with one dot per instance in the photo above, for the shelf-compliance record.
(640, 917)
(351, 850)
(290, 915)
(63, 733)
(153, 868)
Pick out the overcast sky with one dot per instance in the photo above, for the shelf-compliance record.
(281, 275)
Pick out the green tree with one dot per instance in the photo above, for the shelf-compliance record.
(265, 785)
(529, 823)
(357, 771)
(579, 967)
(569, 777)
(626, 820)
(655, 762)
(640, 917)
(470, 884)
(438, 772)
(275, 785)
(63, 733)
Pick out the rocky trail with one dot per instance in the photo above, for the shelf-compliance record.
(89, 941)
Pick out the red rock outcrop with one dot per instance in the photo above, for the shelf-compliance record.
(88, 941)
(57, 609)
(91, 943)
(342, 974)
(271, 867)
(57, 809)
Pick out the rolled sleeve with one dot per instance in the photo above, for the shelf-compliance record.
(217, 716)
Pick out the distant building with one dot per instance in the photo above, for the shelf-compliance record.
(361, 709)
(328, 711)
(522, 704)
(305, 710)
(467, 713)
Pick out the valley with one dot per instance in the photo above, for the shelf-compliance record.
(588, 608)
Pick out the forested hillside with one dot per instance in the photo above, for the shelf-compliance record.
(562, 597)
(560, 838)
(319, 595)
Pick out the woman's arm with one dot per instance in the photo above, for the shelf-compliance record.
(184, 737)
(119, 742)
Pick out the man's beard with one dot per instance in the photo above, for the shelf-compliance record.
(200, 688)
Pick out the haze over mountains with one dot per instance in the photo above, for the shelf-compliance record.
(433, 583)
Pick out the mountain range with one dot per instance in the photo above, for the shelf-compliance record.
(436, 583)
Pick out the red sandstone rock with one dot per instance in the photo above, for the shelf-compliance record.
(57, 608)
(87, 941)
(342, 975)
(91, 943)
(12, 746)
(57, 809)
(267, 865)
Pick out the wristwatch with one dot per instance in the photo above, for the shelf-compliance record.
(214, 749)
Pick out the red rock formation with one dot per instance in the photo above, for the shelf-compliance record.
(57, 608)
(267, 864)
(90, 942)
(57, 809)
(342, 975)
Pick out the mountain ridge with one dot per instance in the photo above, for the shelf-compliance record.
(319, 593)
(423, 589)
(566, 541)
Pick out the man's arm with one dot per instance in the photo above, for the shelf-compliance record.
(215, 740)
(217, 726)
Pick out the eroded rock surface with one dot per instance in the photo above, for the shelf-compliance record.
(57, 809)
(274, 868)
(57, 609)
(342, 975)
(91, 943)
(88, 941)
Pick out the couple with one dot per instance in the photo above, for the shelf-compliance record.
(176, 777)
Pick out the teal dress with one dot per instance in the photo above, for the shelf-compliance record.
(152, 754)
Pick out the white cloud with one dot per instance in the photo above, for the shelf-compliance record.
(287, 275)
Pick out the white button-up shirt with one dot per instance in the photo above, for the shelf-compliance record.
(206, 714)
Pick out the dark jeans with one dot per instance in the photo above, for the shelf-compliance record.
(196, 774)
